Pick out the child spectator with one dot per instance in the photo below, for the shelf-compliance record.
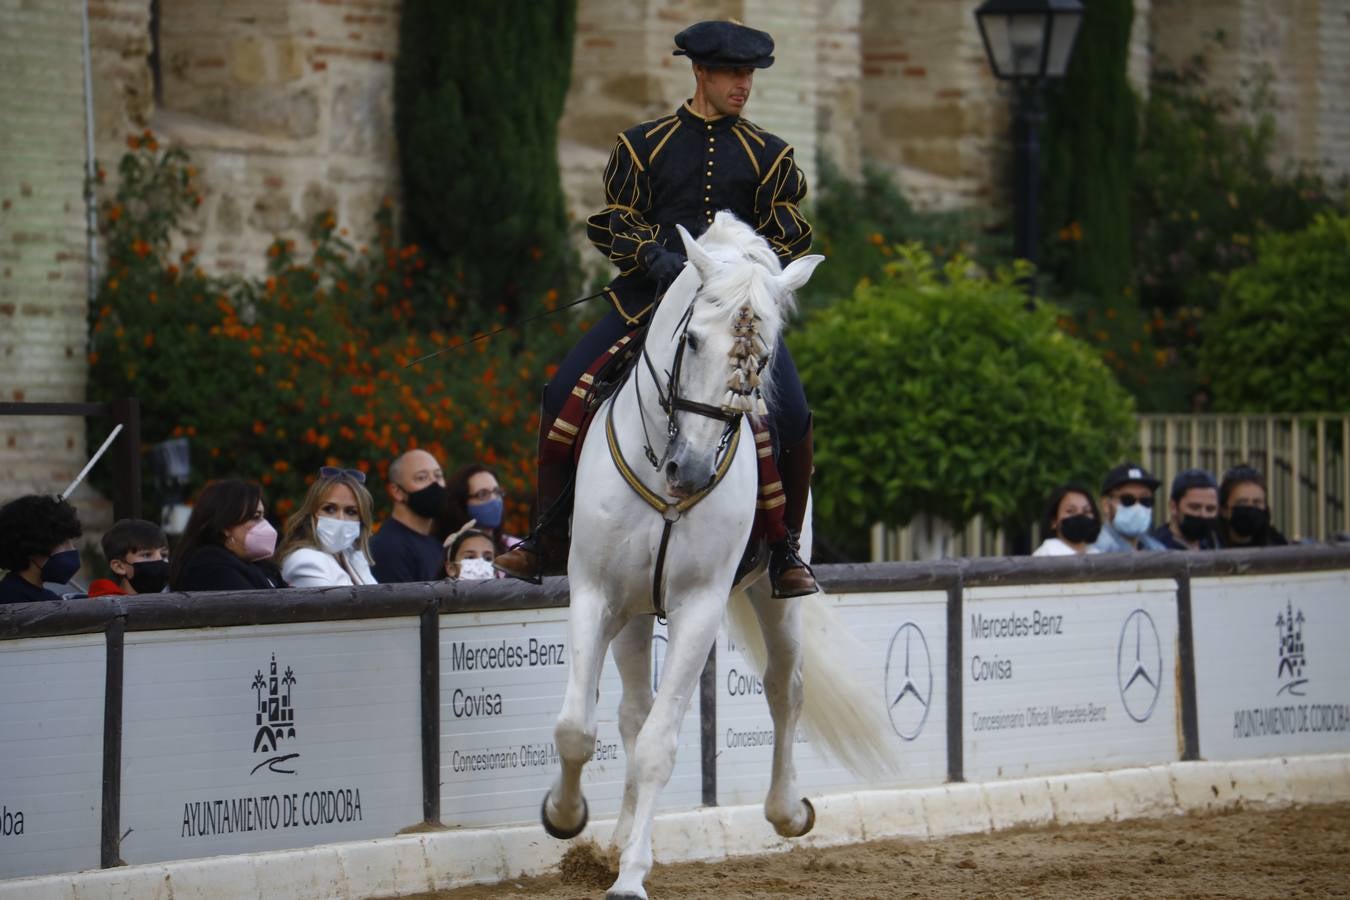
(470, 556)
(37, 545)
(138, 554)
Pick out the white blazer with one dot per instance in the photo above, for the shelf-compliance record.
(307, 567)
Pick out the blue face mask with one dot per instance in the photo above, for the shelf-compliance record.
(61, 567)
(488, 514)
(1132, 521)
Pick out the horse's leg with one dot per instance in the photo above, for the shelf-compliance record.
(633, 657)
(780, 621)
(693, 628)
(589, 632)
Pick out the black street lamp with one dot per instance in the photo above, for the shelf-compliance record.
(1028, 42)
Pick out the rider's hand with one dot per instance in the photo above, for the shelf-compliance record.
(663, 265)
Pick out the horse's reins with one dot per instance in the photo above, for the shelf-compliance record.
(671, 402)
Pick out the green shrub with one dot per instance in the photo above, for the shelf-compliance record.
(1088, 165)
(271, 377)
(1280, 341)
(855, 225)
(936, 391)
(479, 90)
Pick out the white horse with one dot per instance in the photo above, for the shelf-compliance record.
(688, 402)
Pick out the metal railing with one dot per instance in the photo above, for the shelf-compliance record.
(1303, 457)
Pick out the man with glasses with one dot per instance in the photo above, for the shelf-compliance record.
(1127, 510)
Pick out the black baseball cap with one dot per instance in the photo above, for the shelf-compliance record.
(1129, 473)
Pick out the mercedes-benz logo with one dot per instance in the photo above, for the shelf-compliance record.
(909, 681)
(1139, 665)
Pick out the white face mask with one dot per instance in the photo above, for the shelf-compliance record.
(1132, 521)
(336, 535)
(476, 570)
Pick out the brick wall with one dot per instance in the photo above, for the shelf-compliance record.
(43, 275)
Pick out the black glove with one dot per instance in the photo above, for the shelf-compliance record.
(663, 265)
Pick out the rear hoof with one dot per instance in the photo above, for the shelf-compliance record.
(810, 818)
(566, 834)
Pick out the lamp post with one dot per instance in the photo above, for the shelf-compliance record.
(1028, 42)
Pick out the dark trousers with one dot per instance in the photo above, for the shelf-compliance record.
(788, 413)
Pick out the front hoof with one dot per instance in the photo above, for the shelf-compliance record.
(623, 895)
(566, 834)
(810, 819)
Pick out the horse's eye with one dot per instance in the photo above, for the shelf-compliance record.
(693, 343)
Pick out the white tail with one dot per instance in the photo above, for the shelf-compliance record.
(837, 711)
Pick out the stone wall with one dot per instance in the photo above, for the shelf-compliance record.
(43, 276)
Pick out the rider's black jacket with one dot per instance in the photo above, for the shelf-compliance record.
(682, 169)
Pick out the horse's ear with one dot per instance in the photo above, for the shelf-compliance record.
(697, 255)
(798, 272)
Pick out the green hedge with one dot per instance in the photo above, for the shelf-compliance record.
(936, 391)
(1280, 340)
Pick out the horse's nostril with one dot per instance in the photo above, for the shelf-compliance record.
(672, 470)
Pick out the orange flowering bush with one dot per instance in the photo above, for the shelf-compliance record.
(314, 363)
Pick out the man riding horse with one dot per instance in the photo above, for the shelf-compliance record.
(682, 169)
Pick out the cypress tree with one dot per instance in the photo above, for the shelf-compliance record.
(479, 89)
(1088, 160)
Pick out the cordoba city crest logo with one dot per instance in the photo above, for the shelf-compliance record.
(275, 718)
(1292, 660)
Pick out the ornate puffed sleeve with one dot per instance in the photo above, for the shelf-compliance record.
(620, 229)
(777, 216)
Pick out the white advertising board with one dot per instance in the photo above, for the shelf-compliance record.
(503, 676)
(1272, 675)
(1069, 677)
(904, 661)
(267, 737)
(51, 754)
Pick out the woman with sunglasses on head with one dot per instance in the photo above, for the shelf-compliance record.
(1127, 510)
(327, 541)
(228, 544)
(476, 497)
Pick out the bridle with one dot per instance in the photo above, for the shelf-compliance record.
(671, 404)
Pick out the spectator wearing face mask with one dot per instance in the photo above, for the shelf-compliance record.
(1127, 510)
(1244, 515)
(1193, 513)
(37, 546)
(405, 548)
(469, 556)
(226, 541)
(1071, 523)
(327, 540)
(138, 555)
(476, 500)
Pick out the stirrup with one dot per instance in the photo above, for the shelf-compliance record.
(788, 572)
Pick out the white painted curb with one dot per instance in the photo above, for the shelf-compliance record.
(412, 864)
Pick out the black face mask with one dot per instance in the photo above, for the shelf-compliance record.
(1080, 529)
(150, 576)
(1249, 521)
(429, 502)
(1197, 528)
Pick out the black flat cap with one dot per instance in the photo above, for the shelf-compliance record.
(729, 45)
(1129, 473)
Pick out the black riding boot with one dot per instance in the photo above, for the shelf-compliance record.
(544, 552)
(788, 572)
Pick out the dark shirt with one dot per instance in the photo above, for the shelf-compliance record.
(1163, 534)
(402, 554)
(212, 568)
(1271, 537)
(682, 169)
(14, 589)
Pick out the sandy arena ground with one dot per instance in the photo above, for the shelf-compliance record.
(1284, 853)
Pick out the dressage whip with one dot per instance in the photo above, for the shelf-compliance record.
(65, 495)
(507, 327)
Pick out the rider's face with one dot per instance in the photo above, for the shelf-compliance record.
(726, 90)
